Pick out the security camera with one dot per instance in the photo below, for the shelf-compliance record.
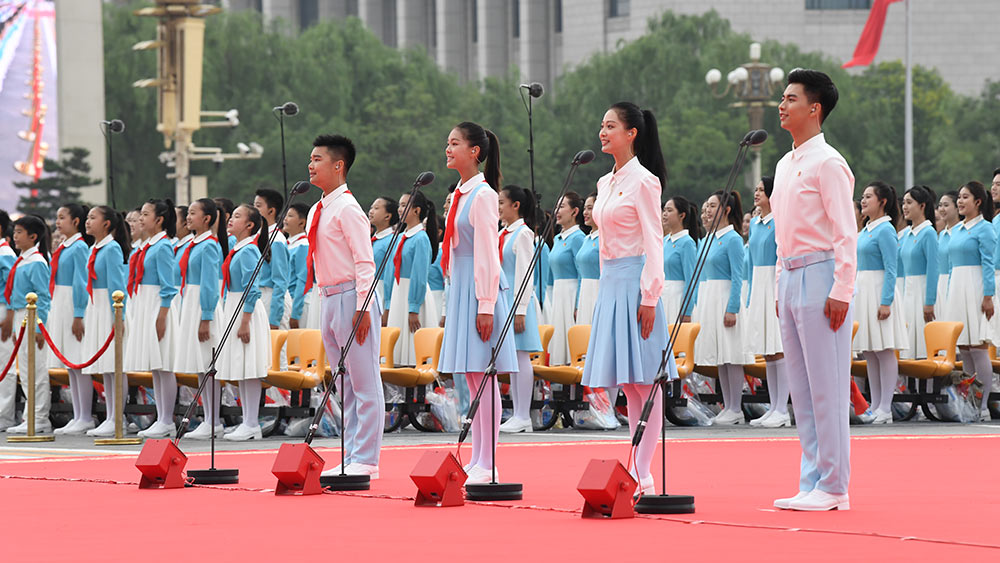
(256, 148)
(243, 148)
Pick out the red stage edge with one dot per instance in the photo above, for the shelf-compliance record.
(607, 490)
(297, 468)
(162, 465)
(439, 479)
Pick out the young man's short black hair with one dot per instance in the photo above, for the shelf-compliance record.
(340, 147)
(273, 198)
(819, 88)
(996, 172)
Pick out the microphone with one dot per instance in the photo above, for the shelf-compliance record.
(301, 187)
(424, 178)
(289, 108)
(115, 125)
(758, 137)
(583, 157)
(535, 89)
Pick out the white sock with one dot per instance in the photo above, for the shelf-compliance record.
(874, 379)
(636, 396)
(735, 388)
(210, 400)
(781, 386)
(888, 368)
(473, 380)
(723, 386)
(250, 390)
(968, 367)
(984, 372)
(82, 390)
(165, 393)
(772, 383)
(489, 429)
(109, 393)
(525, 383)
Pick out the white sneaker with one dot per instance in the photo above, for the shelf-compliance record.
(646, 486)
(331, 472)
(515, 425)
(479, 474)
(778, 420)
(105, 430)
(984, 416)
(760, 420)
(362, 469)
(204, 432)
(40, 428)
(156, 430)
(728, 418)
(882, 417)
(244, 433)
(75, 427)
(785, 503)
(818, 501)
(62, 429)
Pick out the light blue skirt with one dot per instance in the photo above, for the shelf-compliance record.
(462, 351)
(617, 354)
(529, 340)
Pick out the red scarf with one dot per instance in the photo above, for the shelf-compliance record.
(449, 231)
(186, 257)
(397, 260)
(91, 272)
(310, 253)
(225, 272)
(503, 236)
(10, 279)
(136, 269)
(55, 268)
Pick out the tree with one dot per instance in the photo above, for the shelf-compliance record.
(59, 185)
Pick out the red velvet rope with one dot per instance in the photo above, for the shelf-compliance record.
(13, 355)
(68, 363)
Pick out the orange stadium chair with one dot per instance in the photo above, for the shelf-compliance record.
(684, 347)
(579, 339)
(427, 347)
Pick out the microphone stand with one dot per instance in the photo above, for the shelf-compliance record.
(537, 269)
(106, 129)
(212, 475)
(494, 490)
(345, 482)
(684, 504)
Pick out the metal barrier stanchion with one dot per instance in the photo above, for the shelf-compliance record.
(119, 406)
(30, 322)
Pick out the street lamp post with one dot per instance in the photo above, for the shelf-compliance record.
(755, 85)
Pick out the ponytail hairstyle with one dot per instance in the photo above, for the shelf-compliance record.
(574, 200)
(925, 196)
(225, 207)
(165, 208)
(735, 215)
(428, 214)
(646, 144)
(37, 226)
(888, 193)
(5, 225)
(258, 223)
(979, 192)
(526, 201)
(691, 220)
(79, 212)
(118, 229)
(208, 207)
(489, 150)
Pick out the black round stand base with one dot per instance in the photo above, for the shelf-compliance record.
(214, 476)
(665, 504)
(346, 482)
(494, 491)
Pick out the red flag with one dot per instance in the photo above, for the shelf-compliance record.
(871, 35)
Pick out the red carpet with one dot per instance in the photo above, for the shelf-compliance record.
(913, 498)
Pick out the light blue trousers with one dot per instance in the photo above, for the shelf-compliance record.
(364, 401)
(818, 364)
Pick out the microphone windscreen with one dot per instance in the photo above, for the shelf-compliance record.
(757, 137)
(584, 156)
(424, 178)
(536, 90)
(290, 108)
(301, 187)
(747, 137)
(117, 126)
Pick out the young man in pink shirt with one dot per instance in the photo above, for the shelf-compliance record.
(340, 255)
(816, 236)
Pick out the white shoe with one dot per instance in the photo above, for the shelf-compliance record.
(75, 427)
(515, 425)
(728, 418)
(362, 469)
(818, 501)
(62, 429)
(244, 433)
(468, 467)
(479, 474)
(331, 472)
(868, 416)
(778, 420)
(760, 420)
(204, 432)
(40, 428)
(785, 503)
(646, 486)
(105, 430)
(882, 417)
(156, 430)
(984, 416)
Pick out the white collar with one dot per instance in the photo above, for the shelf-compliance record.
(474, 181)
(296, 238)
(903, 232)
(243, 243)
(513, 226)
(71, 240)
(413, 230)
(29, 253)
(678, 235)
(917, 228)
(592, 235)
(969, 223)
(271, 228)
(156, 238)
(765, 219)
(104, 241)
(330, 197)
(818, 139)
(186, 238)
(568, 232)
(384, 233)
(632, 163)
(202, 237)
(723, 231)
(872, 224)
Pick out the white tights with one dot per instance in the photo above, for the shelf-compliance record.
(485, 423)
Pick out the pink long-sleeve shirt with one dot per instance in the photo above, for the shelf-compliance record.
(484, 215)
(814, 210)
(627, 213)
(343, 244)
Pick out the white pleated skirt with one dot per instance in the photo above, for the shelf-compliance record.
(312, 309)
(717, 344)
(561, 317)
(143, 351)
(97, 324)
(60, 327)
(762, 331)
(914, 296)
(399, 316)
(588, 298)
(672, 296)
(875, 335)
(942, 297)
(265, 296)
(438, 305)
(964, 304)
(239, 361)
(192, 355)
(545, 309)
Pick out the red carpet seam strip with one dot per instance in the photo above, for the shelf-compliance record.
(550, 509)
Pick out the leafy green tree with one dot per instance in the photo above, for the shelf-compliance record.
(59, 184)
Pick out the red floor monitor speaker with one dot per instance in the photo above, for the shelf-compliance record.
(439, 479)
(162, 465)
(607, 490)
(297, 468)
